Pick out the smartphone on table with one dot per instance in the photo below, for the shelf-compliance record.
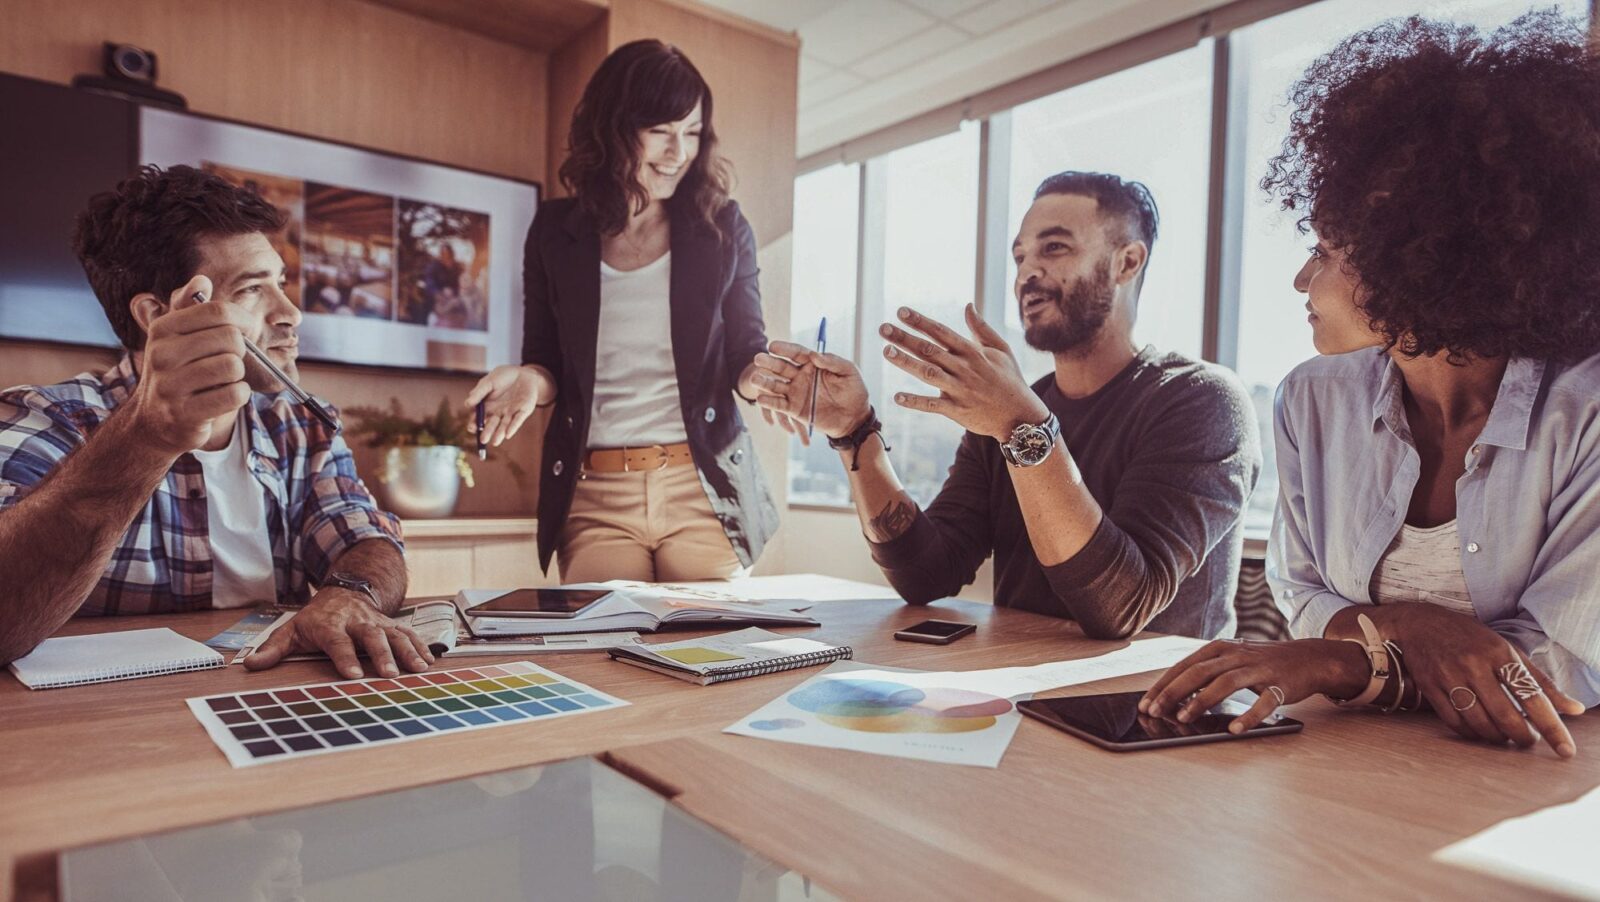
(1113, 721)
(935, 632)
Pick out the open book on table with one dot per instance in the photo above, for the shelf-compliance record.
(638, 607)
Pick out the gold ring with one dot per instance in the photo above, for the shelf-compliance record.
(1472, 698)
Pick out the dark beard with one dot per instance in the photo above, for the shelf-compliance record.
(1083, 312)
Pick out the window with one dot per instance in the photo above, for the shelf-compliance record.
(1152, 124)
(930, 264)
(1274, 334)
(826, 227)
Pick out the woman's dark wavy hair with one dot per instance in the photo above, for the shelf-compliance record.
(1460, 172)
(641, 84)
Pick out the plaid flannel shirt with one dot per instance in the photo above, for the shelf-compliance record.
(316, 504)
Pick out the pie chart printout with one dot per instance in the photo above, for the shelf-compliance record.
(880, 706)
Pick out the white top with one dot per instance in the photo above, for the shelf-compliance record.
(1424, 565)
(636, 385)
(236, 514)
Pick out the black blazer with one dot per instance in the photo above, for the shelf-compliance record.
(716, 330)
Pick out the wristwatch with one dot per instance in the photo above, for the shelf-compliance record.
(355, 584)
(1029, 445)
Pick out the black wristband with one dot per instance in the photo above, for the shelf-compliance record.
(869, 427)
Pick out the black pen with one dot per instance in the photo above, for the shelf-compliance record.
(300, 394)
(483, 450)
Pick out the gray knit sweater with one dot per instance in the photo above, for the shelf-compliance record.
(1168, 448)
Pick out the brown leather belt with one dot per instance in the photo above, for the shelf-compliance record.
(628, 460)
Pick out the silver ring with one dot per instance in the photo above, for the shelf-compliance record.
(1518, 681)
(1472, 698)
(1276, 693)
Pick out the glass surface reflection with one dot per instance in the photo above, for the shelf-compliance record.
(573, 830)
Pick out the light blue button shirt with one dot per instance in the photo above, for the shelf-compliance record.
(1527, 509)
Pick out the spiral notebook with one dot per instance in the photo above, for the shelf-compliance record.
(730, 656)
(74, 660)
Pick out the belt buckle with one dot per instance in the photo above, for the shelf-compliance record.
(665, 457)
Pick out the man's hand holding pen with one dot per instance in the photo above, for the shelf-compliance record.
(193, 369)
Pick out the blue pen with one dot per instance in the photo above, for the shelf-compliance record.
(483, 450)
(816, 377)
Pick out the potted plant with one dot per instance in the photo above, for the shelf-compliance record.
(423, 462)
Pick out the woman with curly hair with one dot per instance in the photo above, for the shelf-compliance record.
(643, 317)
(1437, 537)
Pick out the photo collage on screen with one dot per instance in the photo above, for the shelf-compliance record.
(351, 253)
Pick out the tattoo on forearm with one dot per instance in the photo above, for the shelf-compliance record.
(892, 522)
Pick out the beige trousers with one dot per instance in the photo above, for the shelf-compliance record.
(652, 525)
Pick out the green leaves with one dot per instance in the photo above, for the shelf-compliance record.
(391, 428)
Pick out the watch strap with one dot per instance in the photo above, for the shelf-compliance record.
(1377, 656)
(355, 584)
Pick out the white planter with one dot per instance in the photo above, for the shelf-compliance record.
(421, 483)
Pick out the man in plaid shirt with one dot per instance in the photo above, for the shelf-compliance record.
(183, 479)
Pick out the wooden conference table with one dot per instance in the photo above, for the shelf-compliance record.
(1350, 808)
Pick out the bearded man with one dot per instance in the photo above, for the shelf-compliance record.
(1110, 492)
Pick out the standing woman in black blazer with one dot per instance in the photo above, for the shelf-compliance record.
(643, 320)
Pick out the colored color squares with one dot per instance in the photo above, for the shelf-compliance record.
(285, 723)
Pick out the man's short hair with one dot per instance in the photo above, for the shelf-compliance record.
(144, 235)
(1127, 200)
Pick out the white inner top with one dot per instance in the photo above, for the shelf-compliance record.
(236, 511)
(1424, 565)
(635, 385)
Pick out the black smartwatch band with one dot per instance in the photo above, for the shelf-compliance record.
(869, 427)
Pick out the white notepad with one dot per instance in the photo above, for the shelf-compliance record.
(73, 660)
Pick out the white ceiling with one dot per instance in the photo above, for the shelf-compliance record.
(865, 64)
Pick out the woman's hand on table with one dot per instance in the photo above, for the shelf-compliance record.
(1281, 673)
(1468, 673)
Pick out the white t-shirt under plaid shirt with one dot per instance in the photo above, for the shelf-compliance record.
(316, 504)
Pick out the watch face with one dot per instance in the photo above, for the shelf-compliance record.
(1030, 445)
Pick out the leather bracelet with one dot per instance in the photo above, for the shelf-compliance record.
(856, 438)
(1397, 667)
(1377, 656)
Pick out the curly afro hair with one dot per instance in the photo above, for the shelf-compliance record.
(1460, 173)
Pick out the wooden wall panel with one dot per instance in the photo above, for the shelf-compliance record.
(339, 69)
(570, 70)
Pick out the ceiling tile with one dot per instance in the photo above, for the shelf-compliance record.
(997, 14)
(812, 69)
(784, 15)
(854, 30)
(912, 50)
(828, 87)
(945, 9)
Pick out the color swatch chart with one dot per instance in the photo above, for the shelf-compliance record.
(278, 724)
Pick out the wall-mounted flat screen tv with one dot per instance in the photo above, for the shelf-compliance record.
(393, 261)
